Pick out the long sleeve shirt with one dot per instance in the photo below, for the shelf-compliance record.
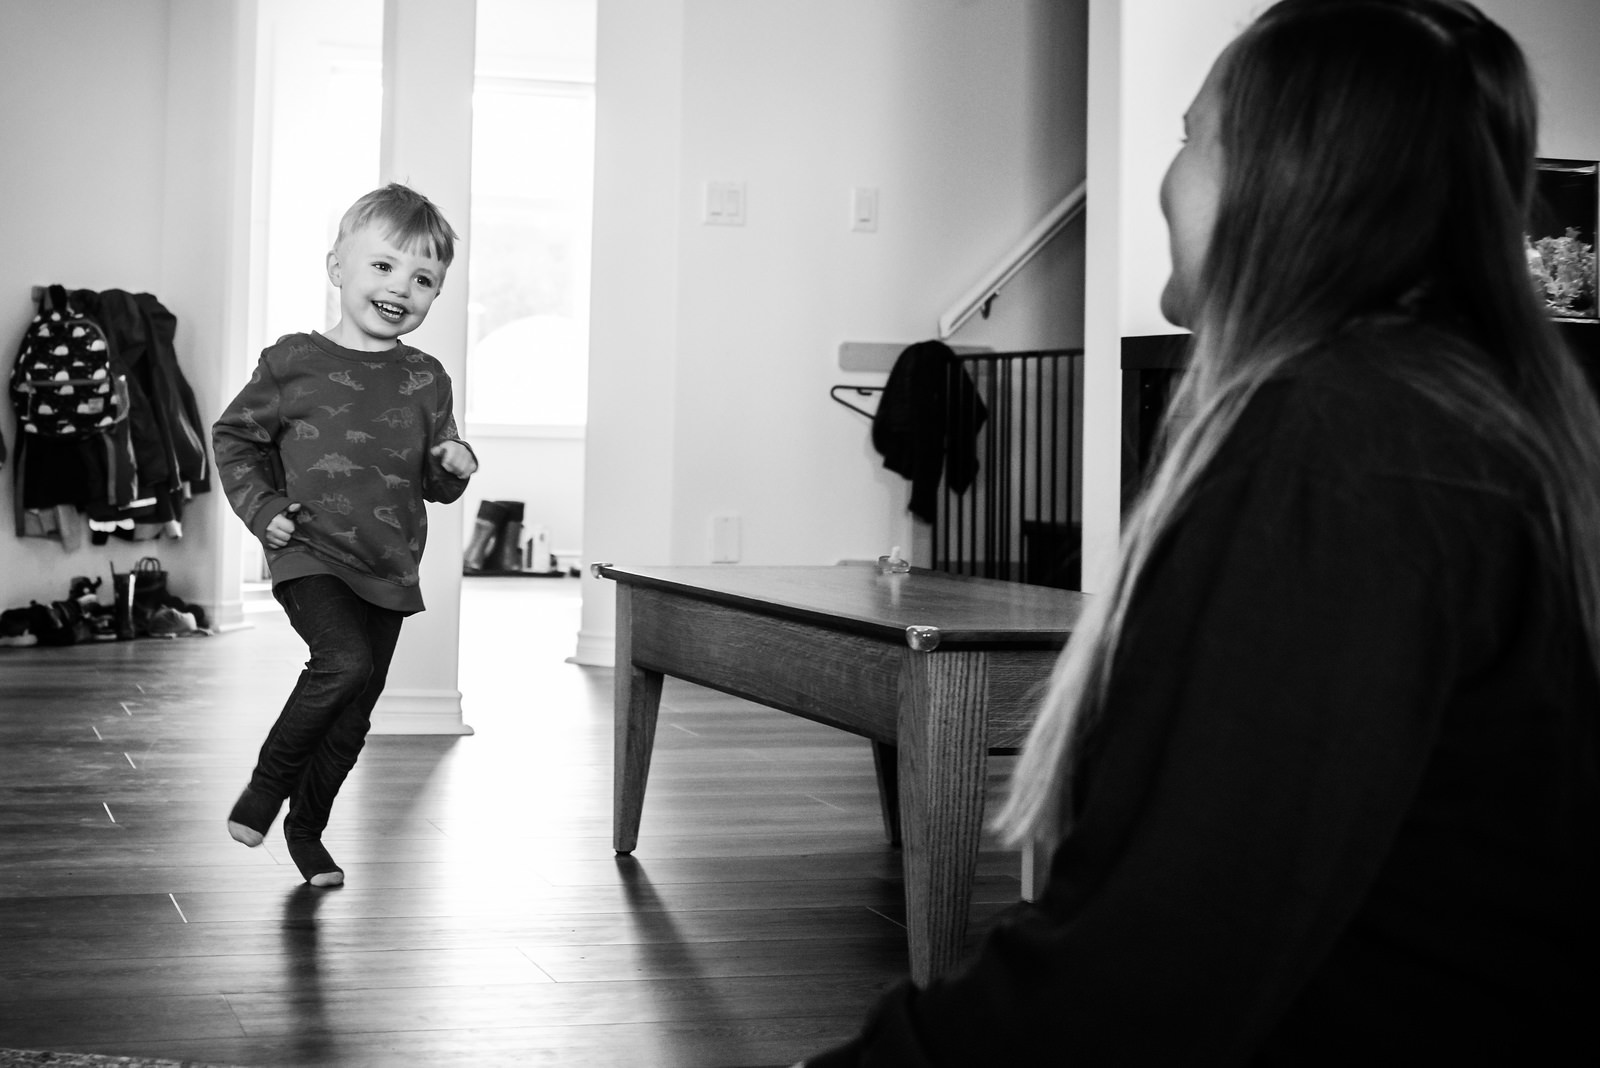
(1343, 804)
(347, 436)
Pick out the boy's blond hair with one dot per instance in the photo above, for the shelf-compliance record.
(410, 218)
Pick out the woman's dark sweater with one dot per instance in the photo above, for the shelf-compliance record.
(1344, 803)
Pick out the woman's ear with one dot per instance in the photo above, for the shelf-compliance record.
(334, 271)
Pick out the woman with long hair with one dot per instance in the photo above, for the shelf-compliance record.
(1320, 769)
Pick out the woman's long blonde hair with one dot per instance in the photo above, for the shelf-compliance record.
(1377, 158)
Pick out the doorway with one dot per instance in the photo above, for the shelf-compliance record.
(320, 117)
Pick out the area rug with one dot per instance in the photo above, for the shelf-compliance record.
(34, 1058)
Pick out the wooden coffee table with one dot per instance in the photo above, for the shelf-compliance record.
(937, 670)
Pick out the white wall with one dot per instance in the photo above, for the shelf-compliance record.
(117, 173)
(1562, 41)
(937, 105)
(633, 312)
(713, 347)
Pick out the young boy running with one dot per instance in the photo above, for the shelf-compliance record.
(327, 455)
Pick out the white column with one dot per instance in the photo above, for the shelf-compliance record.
(1147, 59)
(205, 263)
(227, 611)
(428, 53)
(628, 460)
(1102, 316)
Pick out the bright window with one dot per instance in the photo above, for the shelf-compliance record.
(528, 269)
(323, 71)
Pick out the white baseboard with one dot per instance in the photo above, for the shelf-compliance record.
(226, 616)
(595, 649)
(419, 712)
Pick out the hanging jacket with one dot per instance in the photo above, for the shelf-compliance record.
(168, 446)
(927, 422)
(154, 460)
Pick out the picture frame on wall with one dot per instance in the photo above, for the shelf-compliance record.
(1560, 244)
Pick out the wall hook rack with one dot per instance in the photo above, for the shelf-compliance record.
(860, 391)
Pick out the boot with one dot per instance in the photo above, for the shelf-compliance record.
(122, 587)
(509, 551)
(485, 535)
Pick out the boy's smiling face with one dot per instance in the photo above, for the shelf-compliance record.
(385, 290)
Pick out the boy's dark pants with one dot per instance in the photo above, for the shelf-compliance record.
(323, 725)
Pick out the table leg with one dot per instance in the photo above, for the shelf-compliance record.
(943, 741)
(636, 705)
(886, 762)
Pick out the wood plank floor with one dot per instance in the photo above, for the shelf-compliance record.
(486, 920)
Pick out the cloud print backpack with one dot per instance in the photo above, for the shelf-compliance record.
(62, 384)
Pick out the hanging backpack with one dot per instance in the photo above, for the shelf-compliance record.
(62, 384)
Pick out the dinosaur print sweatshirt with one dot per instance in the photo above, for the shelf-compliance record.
(347, 436)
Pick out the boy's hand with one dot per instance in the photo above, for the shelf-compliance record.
(281, 528)
(456, 458)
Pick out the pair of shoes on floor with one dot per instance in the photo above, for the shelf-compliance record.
(169, 622)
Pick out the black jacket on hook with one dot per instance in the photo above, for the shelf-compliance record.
(168, 442)
(927, 424)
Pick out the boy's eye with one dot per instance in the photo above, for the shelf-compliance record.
(380, 265)
(424, 281)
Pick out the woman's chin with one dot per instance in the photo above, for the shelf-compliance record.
(1174, 307)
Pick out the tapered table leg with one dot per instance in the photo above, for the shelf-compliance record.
(943, 742)
(886, 762)
(638, 702)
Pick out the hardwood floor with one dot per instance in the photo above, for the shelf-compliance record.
(485, 920)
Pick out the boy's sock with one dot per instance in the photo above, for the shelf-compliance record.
(252, 814)
(314, 862)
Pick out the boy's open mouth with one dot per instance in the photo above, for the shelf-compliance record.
(392, 312)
